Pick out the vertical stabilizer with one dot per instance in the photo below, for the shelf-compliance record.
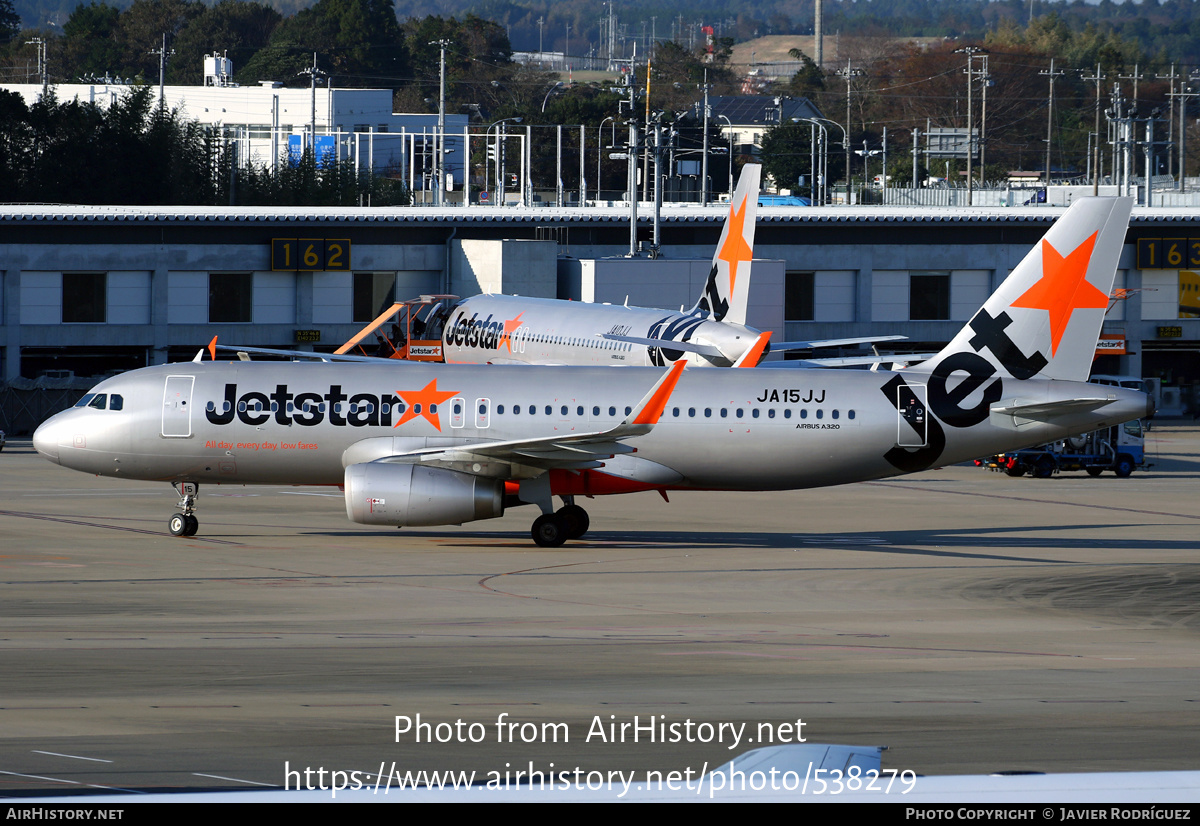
(1045, 318)
(727, 289)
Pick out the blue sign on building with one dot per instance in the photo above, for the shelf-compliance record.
(295, 149)
(326, 150)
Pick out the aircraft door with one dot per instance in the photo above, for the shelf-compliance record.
(912, 427)
(177, 407)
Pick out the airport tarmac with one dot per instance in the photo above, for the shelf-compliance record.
(969, 621)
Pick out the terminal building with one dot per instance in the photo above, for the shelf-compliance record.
(87, 291)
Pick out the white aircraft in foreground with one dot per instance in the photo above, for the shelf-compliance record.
(515, 329)
(441, 444)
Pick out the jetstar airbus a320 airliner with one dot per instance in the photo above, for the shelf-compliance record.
(440, 444)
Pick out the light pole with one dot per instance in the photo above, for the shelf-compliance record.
(818, 170)
(498, 191)
(600, 148)
(729, 123)
(845, 142)
(557, 85)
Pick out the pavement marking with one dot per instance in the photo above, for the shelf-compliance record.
(72, 756)
(235, 780)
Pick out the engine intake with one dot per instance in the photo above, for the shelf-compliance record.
(379, 493)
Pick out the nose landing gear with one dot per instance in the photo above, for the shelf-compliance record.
(185, 523)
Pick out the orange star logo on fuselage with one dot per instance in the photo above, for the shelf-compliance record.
(510, 326)
(423, 403)
(1063, 288)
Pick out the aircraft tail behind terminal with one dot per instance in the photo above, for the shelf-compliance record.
(1045, 318)
(727, 289)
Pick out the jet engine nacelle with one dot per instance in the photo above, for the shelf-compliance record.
(379, 493)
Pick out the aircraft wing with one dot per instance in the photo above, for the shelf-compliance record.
(574, 451)
(300, 354)
(831, 342)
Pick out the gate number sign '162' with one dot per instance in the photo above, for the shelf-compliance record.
(310, 254)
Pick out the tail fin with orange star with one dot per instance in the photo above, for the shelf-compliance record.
(727, 289)
(1045, 318)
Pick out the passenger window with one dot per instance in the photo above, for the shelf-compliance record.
(754, 412)
(850, 414)
(820, 413)
(804, 413)
(708, 412)
(612, 411)
(787, 413)
(834, 414)
(724, 412)
(595, 411)
(771, 413)
(692, 412)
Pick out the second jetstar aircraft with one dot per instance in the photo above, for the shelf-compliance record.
(512, 329)
(446, 444)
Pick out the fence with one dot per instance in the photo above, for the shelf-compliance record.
(22, 410)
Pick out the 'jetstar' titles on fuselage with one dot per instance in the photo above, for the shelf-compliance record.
(483, 333)
(306, 409)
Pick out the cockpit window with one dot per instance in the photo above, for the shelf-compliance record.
(85, 400)
(100, 402)
(116, 402)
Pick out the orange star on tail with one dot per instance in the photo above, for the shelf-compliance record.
(735, 249)
(423, 403)
(1063, 288)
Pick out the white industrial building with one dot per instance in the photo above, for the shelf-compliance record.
(270, 123)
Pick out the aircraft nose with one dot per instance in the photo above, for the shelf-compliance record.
(45, 438)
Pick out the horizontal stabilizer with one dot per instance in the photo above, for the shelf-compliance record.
(1013, 415)
(851, 361)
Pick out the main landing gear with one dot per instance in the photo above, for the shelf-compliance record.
(185, 523)
(569, 522)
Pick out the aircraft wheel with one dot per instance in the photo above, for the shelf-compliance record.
(193, 525)
(1094, 471)
(1015, 470)
(549, 530)
(178, 525)
(576, 519)
(1044, 468)
(1124, 466)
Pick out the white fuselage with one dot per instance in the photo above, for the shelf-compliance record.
(246, 422)
(514, 329)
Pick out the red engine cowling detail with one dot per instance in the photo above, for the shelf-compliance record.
(379, 493)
